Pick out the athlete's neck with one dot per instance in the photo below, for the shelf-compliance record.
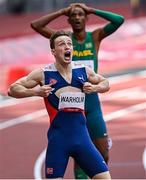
(63, 69)
(80, 36)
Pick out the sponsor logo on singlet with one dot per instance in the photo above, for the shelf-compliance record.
(82, 53)
(53, 81)
(88, 45)
(81, 78)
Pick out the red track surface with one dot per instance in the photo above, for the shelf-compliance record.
(124, 109)
(21, 144)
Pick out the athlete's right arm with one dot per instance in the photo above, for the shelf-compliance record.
(40, 25)
(30, 85)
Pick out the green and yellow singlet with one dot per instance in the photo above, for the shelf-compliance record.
(85, 52)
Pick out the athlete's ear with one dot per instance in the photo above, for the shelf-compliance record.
(53, 52)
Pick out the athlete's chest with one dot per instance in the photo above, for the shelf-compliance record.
(85, 52)
(76, 79)
(83, 49)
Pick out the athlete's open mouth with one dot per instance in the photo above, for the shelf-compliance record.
(67, 55)
(77, 23)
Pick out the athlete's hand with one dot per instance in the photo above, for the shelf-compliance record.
(83, 6)
(66, 11)
(44, 91)
(88, 87)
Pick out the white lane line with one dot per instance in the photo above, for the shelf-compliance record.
(144, 158)
(135, 93)
(126, 77)
(23, 119)
(123, 112)
(108, 117)
(14, 101)
(38, 165)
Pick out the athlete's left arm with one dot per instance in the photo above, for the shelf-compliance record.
(116, 21)
(96, 82)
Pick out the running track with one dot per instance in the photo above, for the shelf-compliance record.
(24, 123)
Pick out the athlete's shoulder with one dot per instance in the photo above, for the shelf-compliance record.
(49, 67)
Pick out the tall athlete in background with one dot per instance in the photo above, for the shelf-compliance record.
(86, 46)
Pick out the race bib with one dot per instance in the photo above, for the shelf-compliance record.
(88, 63)
(72, 100)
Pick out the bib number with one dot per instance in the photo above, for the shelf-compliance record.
(72, 100)
(88, 63)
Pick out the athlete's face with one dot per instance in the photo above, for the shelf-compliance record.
(63, 49)
(77, 19)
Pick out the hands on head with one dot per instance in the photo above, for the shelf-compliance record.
(68, 9)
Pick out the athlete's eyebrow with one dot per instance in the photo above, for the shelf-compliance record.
(64, 41)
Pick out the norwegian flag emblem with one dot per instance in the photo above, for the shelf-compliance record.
(49, 170)
(53, 81)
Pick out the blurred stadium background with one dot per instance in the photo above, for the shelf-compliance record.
(19, 43)
(22, 49)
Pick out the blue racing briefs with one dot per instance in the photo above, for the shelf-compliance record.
(68, 136)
